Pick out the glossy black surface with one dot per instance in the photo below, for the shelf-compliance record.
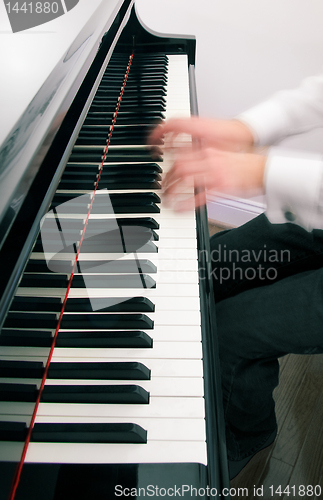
(115, 326)
(104, 482)
(27, 200)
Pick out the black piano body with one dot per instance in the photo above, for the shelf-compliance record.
(26, 202)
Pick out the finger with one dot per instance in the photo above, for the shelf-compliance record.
(156, 135)
(190, 165)
(179, 186)
(176, 126)
(156, 153)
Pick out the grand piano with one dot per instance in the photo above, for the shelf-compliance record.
(109, 376)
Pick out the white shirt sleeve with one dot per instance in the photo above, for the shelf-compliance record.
(294, 187)
(293, 183)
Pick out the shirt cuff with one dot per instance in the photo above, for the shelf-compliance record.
(267, 121)
(294, 188)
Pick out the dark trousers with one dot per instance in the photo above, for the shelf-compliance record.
(268, 286)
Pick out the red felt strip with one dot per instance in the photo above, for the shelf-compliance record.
(18, 471)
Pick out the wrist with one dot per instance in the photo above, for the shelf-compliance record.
(244, 135)
(259, 171)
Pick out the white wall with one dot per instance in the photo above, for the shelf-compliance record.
(246, 49)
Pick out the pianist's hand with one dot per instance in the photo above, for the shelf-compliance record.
(230, 135)
(216, 170)
(218, 159)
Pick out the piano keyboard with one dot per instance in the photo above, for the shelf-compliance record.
(144, 366)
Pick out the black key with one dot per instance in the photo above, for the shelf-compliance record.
(140, 128)
(99, 371)
(93, 155)
(121, 266)
(108, 107)
(113, 156)
(13, 431)
(88, 433)
(142, 106)
(92, 140)
(26, 393)
(48, 304)
(147, 97)
(149, 79)
(144, 103)
(106, 321)
(122, 174)
(95, 394)
(31, 320)
(148, 207)
(129, 139)
(66, 266)
(146, 183)
(113, 281)
(40, 266)
(125, 201)
(144, 118)
(102, 132)
(26, 338)
(138, 91)
(132, 235)
(139, 87)
(127, 239)
(138, 72)
(21, 369)
(155, 100)
(101, 243)
(121, 203)
(122, 183)
(96, 225)
(126, 118)
(135, 304)
(138, 107)
(81, 174)
(100, 139)
(109, 339)
(44, 281)
(130, 169)
(137, 169)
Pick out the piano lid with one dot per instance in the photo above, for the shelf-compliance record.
(33, 155)
(42, 72)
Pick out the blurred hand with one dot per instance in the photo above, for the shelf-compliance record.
(218, 159)
(230, 135)
(216, 170)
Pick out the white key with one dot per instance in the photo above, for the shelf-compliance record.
(181, 333)
(163, 254)
(178, 289)
(158, 407)
(153, 451)
(160, 350)
(164, 260)
(169, 303)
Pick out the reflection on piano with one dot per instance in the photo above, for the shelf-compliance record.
(108, 371)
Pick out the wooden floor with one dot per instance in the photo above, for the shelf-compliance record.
(295, 459)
